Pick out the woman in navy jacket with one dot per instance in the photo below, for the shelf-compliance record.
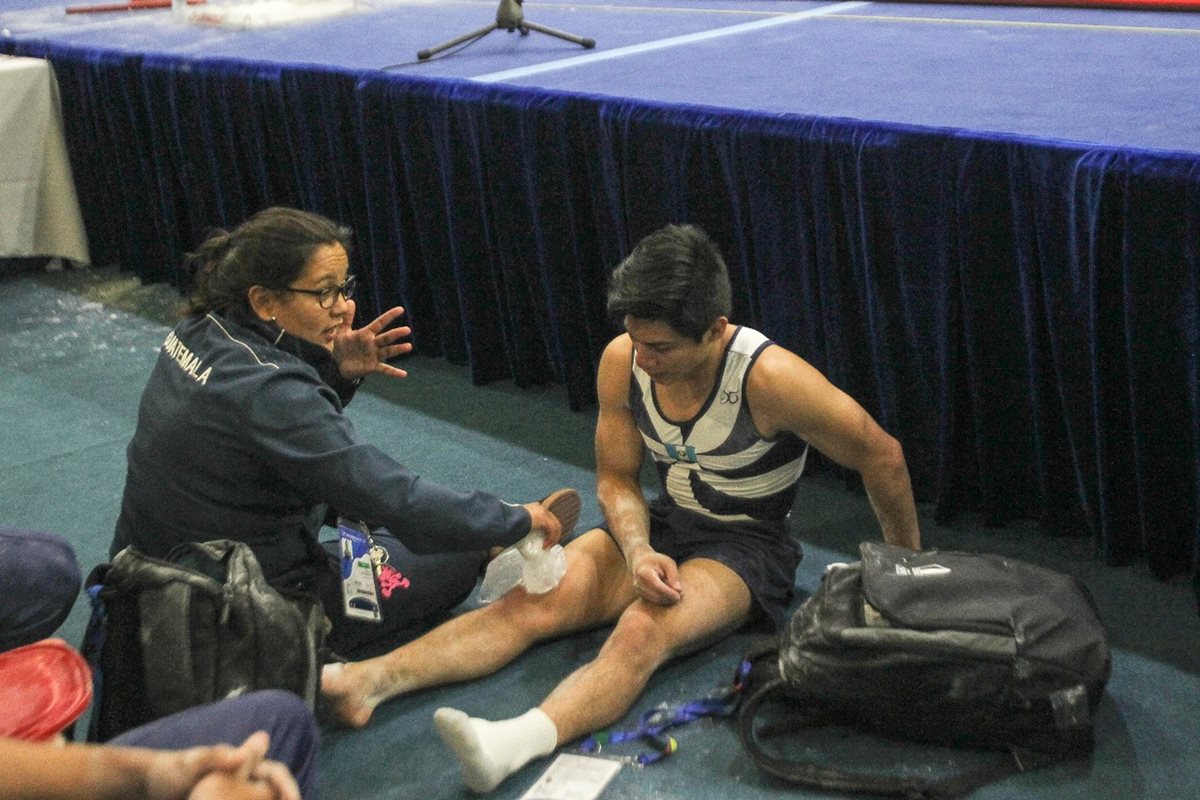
(241, 435)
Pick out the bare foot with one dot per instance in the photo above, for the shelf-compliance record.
(566, 504)
(347, 689)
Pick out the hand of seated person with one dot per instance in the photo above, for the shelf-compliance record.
(221, 772)
(655, 576)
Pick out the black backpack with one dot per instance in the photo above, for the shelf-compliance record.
(199, 626)
(943, 648)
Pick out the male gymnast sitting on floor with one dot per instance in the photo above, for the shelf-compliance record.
(727, 417)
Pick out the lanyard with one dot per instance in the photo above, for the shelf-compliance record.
(653, 725)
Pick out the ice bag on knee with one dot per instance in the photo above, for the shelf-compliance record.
(526, 564)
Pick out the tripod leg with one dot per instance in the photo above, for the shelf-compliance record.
(466, 37)
(570, 37)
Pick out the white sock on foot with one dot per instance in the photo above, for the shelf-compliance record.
(491, 751)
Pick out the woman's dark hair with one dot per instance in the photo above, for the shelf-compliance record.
(270, 249)
(675, 275)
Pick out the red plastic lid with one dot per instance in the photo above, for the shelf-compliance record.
(44, 687)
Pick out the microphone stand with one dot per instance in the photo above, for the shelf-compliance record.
(509, 17)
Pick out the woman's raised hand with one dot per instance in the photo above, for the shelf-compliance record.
(366, 350)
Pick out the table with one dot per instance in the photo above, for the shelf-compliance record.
(39, 211)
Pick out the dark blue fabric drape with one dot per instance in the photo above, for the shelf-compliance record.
(1021, 314)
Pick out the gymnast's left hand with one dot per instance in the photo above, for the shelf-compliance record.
(366, 350)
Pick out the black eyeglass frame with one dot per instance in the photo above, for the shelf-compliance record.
(328, 296)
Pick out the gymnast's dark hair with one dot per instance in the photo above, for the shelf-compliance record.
(675, 275)
(270, 249)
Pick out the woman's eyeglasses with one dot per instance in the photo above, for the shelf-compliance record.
(328, 296)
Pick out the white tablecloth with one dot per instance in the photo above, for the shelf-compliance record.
(39, 211)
